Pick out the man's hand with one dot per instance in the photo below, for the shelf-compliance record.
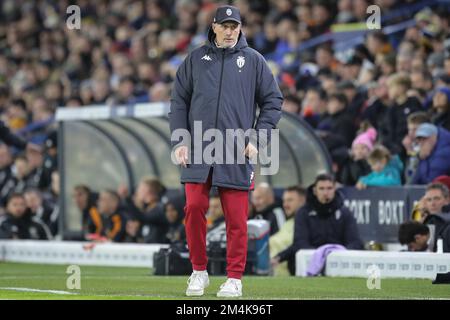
(275, 261)
(250, 151)
(360, 186)
(181, 155)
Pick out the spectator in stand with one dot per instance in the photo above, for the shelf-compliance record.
(106, 223)
(293, 199)
(386, 169)
(337, 129)
(41, 209)
(414, 120)
(145, 206)
(39, 176)
(445, 180)
(394, 126)
(436, 200)
(434, 148)
(18, 222)
(18, 181)
(337, 124)
(314, 106)
(357, 166)
(215, 216)
(440, 115)
(376, 106)
(176, 232)
(292, 104)
(6, 161)
(263, 199)
(86, 201)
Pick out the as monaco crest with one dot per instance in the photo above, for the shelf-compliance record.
(240, 61)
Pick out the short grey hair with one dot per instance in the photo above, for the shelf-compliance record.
(439, 186)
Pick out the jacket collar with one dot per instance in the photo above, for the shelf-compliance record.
(324, 210)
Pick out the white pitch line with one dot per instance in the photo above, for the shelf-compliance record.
(38, 290)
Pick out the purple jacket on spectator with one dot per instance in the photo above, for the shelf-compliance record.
(438, 163)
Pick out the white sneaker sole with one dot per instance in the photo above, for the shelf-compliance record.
(192, 293)
(228, 295)
(196, 293)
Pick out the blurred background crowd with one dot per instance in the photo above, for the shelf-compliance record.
(381, 106)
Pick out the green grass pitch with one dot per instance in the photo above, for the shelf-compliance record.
(34, 281)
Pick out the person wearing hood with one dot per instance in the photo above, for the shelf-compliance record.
(322, 220)
(220, 86)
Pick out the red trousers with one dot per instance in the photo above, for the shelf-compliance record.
(235, 208)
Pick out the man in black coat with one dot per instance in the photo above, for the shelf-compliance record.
(322, 220)
(18, 222)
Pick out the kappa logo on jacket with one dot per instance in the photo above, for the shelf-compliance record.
(206, 57)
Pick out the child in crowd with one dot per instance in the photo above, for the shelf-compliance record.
(386, 170)
(357, 166)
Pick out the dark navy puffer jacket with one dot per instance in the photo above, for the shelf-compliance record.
(438, 163)
(222, 88)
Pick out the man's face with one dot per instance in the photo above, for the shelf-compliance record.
(261, 198)
(412, 127)
(378, 165)
(107, 204)
(440, 100)
(324, 191)
(171, 213)
(417, 80)
(395, 91)
(292, 201)
(144, 193)
(334, 106)
(80, 198)
(419, 243)
(33, 201)
(435, 200)
(227, 33)
(360, 151)
(5, 156)
(312, 100)
(17, 207)
(426, 146)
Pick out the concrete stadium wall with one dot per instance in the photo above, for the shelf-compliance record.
(352, 263)
(79, 253)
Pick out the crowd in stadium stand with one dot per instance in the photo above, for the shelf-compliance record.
(382, 109)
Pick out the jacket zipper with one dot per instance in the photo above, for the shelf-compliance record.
(220, 90)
